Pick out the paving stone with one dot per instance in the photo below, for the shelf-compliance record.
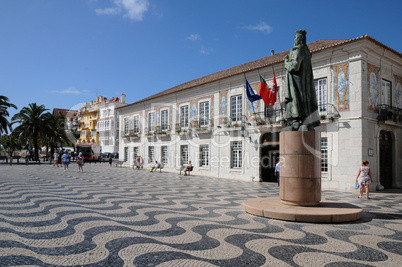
(123, 217)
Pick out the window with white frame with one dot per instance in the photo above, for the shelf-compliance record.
(204, 114)
(164, 153)
(386, 93)
(151, 154)
(236, 108)
(321, 91)
(184, 154)
(165, 120)
(324, 154)
(126, 125)
(151, 122)
(204, 155)
(136, 124)
(184, 116)
(236, 154)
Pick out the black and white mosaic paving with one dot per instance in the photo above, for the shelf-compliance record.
(109, 216)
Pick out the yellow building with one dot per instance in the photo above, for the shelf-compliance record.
(88, 116)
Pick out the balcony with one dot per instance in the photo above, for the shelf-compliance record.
(235, 123)
(202, 126)
(328, 112)
(389, 113)
(182, 130)
(105, 138)
(150, 133)
(134, 136)
(162, 131)
(268, 118)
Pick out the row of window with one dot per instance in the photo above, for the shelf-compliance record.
(133, 123)
(93, 133)
(102, 124)
(236, 112)
(204, 152)
(106, 113)
(236, 154)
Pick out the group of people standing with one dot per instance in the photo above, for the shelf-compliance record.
(65, 159)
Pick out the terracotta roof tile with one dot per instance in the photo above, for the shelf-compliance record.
(314, 47)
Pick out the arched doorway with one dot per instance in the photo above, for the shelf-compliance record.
(269, 152)
(386, 159)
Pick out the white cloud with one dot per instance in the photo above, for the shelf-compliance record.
(262, 27)
(194, 37)
(70, 90)
(206, 51)
(132, 9)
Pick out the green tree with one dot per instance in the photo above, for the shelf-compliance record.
(5, 125)
(10, 145)
(32, 124)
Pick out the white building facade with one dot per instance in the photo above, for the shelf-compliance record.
(210, 122)
(108, 123)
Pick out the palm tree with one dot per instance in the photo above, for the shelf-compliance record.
(56, 132)
(32, 122)
(5, 125)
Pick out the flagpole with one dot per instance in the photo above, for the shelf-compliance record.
(252, 105)
(279, 96)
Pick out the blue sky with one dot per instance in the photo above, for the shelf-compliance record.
(61, 53)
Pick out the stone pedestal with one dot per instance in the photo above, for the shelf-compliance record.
(300, 169)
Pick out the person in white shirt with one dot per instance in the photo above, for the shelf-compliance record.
(55, 157)
(156, 166)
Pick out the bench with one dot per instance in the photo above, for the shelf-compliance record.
(119, 163)
(190, 170)
(160, 167)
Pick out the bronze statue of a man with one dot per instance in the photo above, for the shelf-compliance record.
(300, 96)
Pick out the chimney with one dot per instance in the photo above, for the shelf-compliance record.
(123, 99)
(272, 52)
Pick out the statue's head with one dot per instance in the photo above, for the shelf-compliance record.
(300, 38)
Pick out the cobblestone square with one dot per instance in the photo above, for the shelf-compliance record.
(108, 216)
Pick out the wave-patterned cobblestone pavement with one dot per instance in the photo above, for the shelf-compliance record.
(124, 217)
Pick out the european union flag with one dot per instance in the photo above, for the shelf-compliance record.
(250, 93)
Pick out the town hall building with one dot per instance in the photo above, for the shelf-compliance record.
(210, 121)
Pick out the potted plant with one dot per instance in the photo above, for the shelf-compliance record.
(162, 133)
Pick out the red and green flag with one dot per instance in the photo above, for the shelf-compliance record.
(264, 91)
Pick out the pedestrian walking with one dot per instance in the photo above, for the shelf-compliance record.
(138, 162)
(277, 171)
(364, 179)
(80, 162)
(66, 160)
(56, 159)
